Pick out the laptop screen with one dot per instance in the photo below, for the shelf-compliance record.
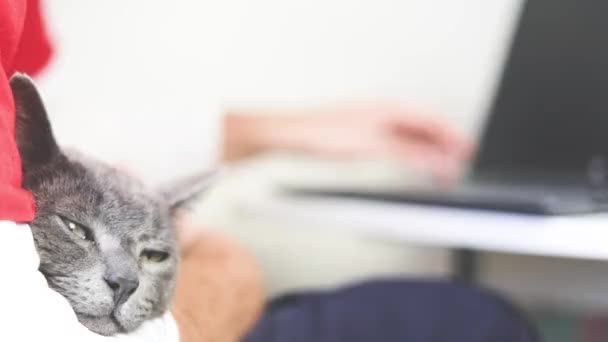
(550, 114)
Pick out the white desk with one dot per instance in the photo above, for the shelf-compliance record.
(584, 236)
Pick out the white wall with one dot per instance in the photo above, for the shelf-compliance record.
(124, 68)
(439, 52)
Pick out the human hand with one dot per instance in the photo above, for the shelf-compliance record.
(362, 132)
(384, 131)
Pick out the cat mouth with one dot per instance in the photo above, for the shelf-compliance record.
(117, 323)
(109, 323)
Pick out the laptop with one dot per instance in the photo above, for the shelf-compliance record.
(544, 149)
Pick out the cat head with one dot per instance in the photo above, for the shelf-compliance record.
(106, 242)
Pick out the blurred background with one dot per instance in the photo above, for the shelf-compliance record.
(128, 76)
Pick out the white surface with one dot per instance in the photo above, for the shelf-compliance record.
(582, 236)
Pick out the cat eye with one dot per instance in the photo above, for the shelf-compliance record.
(149, 255)
(77, 229)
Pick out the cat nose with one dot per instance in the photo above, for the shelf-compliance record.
(123, 287)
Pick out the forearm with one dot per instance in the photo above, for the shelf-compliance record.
(247, 134)
(219, 294)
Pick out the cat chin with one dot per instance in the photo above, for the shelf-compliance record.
(108, 325)
(102, 325)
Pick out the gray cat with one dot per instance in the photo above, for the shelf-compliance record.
(106, 242)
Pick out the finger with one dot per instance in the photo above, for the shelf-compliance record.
(444, 169)
(435, 133)
(442, 136)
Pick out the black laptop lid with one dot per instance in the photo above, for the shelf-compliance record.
(550, 114)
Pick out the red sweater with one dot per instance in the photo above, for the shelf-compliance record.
(23, 47)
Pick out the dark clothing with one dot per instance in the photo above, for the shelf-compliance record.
(394, 311)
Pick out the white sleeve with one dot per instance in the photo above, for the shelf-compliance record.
(31, 311)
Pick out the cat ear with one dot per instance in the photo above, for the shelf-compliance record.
(180, 193)
(35, 139)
